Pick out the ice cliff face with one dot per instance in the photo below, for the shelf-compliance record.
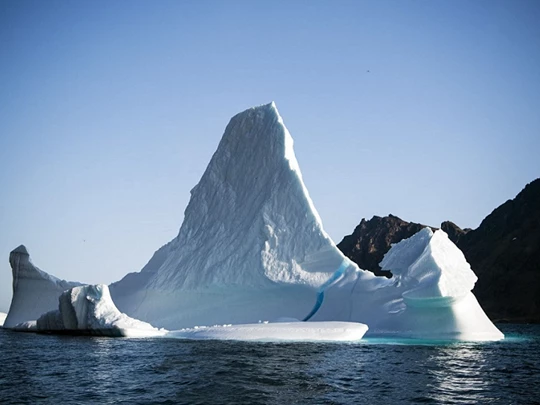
(34, 291)
(89, 310)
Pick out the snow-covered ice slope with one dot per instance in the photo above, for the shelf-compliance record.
(288, 331)
(429, 296)
(34, 291)
(89, 310)
(252, 245)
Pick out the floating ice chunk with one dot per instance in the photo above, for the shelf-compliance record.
(289, 331)
(3, 316)
(89, 310)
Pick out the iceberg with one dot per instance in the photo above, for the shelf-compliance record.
(252, 246)
(89, 310)
(3, 316)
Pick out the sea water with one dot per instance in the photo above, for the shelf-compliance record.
(84, 370)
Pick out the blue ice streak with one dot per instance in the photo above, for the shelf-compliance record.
(320, 295)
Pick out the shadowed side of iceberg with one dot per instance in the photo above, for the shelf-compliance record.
(89, 310)
(34, 291)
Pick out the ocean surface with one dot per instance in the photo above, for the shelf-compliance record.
(41, 369)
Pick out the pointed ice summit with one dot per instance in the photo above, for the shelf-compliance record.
(252, 247)
(251, 241)
(34, 291)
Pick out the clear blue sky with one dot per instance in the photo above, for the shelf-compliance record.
(110, 111)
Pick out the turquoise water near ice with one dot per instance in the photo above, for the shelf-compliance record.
(87, 370)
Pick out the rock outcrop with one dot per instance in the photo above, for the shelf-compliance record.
(504, 251)
(454, 232)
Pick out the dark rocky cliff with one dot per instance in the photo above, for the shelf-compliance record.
(504, 252)
(372, 239)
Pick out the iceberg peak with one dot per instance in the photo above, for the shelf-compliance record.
(252, 188)
(250, 225)
(21, 249)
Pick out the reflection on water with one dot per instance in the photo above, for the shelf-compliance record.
(460, 375)
(83, 370)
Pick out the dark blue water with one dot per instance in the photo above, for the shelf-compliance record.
(85, 370)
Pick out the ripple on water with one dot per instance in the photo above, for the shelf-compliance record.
(51, 370)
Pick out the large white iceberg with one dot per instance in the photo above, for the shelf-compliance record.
(252, 246)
